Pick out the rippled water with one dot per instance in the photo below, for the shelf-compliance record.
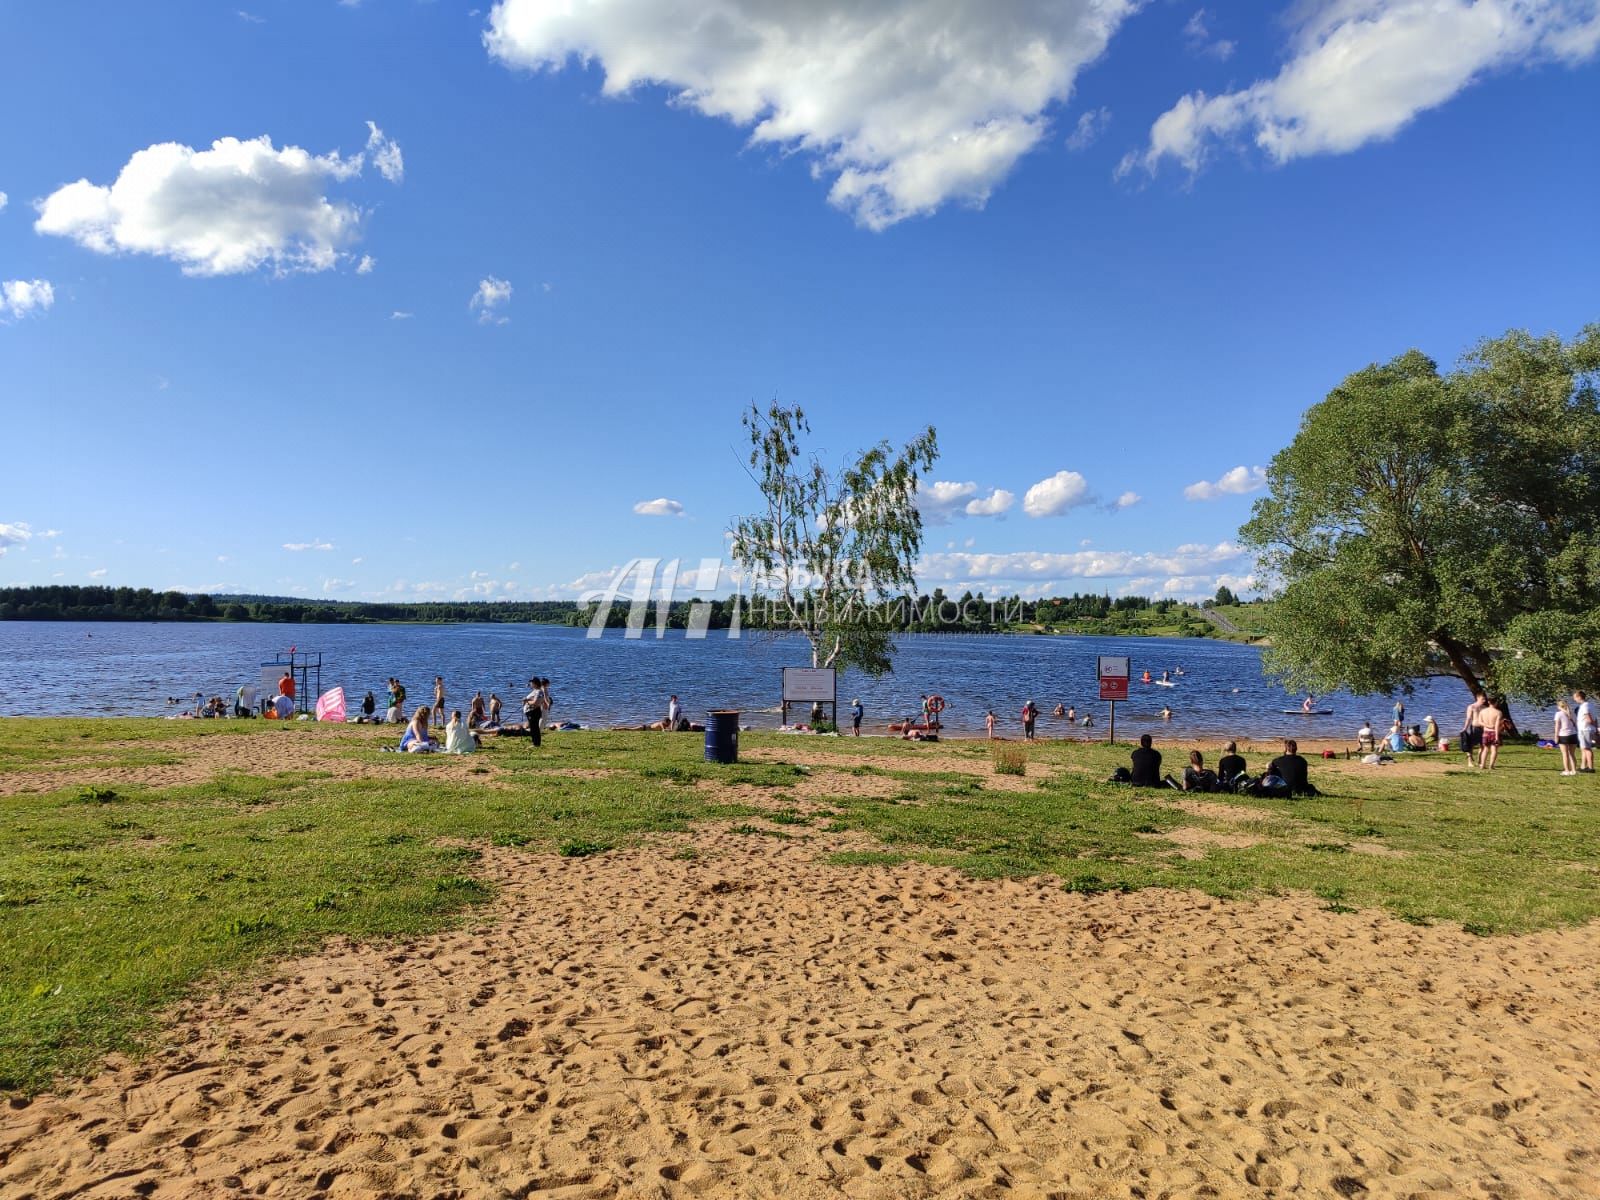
(54, 668)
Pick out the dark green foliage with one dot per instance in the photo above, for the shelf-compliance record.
(1423, 523)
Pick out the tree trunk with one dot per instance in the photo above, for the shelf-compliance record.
(1457, 655)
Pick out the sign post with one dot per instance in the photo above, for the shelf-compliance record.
(1113, 671)
(811, 685)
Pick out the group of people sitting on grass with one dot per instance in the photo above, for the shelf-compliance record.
(458, 735)
(1286, 775)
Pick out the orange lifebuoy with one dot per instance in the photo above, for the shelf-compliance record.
(936, 704)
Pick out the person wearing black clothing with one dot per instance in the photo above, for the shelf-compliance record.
(1146, 770)
(1292, 769)
(1230, 766)
(1196, 777)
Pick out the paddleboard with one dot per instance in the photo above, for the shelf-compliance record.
(1165, 683)
(1300, 712)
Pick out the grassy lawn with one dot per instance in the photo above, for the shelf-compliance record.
(115, 899)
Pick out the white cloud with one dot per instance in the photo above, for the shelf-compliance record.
(1051, 497)
(25, 297)
(486, 301)
(356, 562)
(311, 545)
(99, 574)
(1126, 500)
(384, 153)
(992, 505)
(251, 18)
(233, 208)
(365, 266)
(1089, 127)
(1361, 70)
(398, 315)
(14, 535)
(337, 585)
(1023, 566)
(938, 500)
(4, 200)
(659, 507)
(1238, 482)
(906, 104)
(1197, 33)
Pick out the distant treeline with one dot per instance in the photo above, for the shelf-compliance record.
(143, 604)
(934, 612)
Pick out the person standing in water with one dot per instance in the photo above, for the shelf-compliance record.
(438, 699)
(988, 722)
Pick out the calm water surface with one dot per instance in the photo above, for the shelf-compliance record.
(70, 668)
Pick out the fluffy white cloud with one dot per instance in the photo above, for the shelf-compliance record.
(233, 208)
(1238, 482)
(400, 315)
(992, 505)
(1051, 497)
(337, 585)
(98, 574)
(907, 104)
(4, 200)
(24, 297)
(365, 266)
(1197, 33)
(14, 535)
(939, 500)
(659, 507)
(1089, 127)
(491, 296)
(1126, 500)
(1023, 566)
(312, 545)
(1361, 70)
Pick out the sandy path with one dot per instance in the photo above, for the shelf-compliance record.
(754, 1023)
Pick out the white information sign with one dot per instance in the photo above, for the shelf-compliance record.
(810, 685)
(1113, 666)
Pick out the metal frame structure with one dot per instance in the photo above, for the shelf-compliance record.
(305, 668)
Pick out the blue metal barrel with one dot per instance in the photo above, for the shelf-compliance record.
(722, 736)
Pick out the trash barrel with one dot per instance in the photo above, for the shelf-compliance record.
(722, 736)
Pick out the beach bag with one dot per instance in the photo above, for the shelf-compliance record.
(1273, 787)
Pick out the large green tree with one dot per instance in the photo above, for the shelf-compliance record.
(1426, 523)
(832, 545)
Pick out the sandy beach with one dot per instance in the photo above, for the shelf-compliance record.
(750, 1021)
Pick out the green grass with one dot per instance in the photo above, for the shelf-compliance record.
(116, 901)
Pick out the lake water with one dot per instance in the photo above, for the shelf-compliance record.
(102, 668)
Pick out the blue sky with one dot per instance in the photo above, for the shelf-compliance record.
(499, 276)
